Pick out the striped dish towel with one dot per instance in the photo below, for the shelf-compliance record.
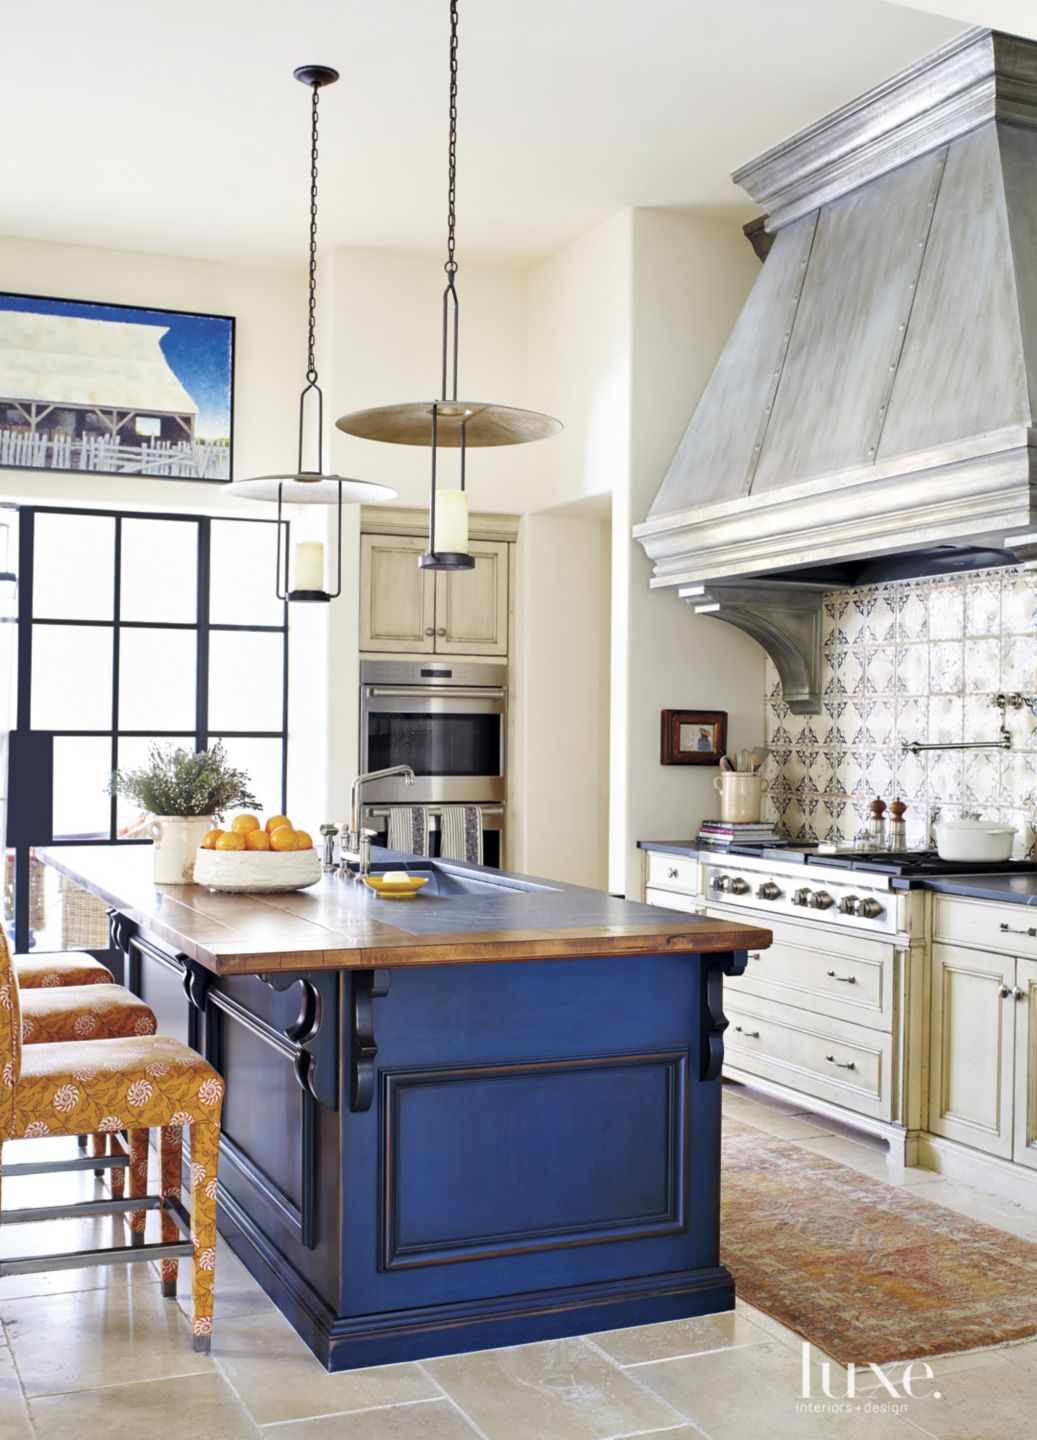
(408, 829)
(461, 835)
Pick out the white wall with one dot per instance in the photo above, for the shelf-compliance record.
(579, 365)
(689, 279)
(560, 681)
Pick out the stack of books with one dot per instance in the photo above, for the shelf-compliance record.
(723, 832)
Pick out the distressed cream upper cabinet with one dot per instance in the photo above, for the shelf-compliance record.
(972, 1045)
(472, 605)
(397, 599)
(406, 610)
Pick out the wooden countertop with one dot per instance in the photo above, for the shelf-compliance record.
(339, 925)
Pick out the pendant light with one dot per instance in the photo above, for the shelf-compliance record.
(302, 486)
(447, 421)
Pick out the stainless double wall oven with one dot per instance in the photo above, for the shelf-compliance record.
(447, 720)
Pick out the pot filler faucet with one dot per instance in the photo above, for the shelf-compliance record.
(356, 843)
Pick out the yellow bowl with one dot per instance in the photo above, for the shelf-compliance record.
(395, 889)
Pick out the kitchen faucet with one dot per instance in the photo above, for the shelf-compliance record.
(356, 843)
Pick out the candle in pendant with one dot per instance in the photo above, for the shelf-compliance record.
(309, 565)
(451, 522)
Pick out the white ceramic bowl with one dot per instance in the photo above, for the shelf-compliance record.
(969, 839)
(258, 871)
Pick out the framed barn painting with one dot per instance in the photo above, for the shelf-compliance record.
(115, 389)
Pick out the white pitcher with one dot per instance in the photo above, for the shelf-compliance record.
(177, 838)
(741, 795)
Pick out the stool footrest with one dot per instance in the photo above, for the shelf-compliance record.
(110, 1205)
(77, 1259)
(80, 1162)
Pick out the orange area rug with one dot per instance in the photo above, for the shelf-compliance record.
(867, 1272)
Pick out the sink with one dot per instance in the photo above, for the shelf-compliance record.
(446, 880)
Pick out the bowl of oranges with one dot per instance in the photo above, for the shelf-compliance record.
(251, 856)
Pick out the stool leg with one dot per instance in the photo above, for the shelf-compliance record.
(205, 1153)
(169, 1148)
(117, 1178)
(98, 1150)
(81, 1142)
(138, 1182)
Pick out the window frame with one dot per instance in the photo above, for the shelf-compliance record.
(203, 627)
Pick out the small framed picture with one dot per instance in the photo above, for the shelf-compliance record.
(693, 737)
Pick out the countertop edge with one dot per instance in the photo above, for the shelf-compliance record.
(561, 943)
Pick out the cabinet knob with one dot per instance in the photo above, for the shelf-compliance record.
(1004, 991)
(671, 873)
(441, 630)
(430, 630)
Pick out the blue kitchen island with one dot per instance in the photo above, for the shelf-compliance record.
(485, 1116)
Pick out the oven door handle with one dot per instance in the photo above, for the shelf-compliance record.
(451, 692)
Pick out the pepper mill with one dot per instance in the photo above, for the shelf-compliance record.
(877, 824)
(897, 826)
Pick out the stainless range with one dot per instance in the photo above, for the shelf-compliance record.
(836, 896)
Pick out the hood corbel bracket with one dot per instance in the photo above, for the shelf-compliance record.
(785, 618)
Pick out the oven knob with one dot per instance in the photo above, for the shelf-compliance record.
(849, 905)
(720, 882)
(801, 897)
(768, 891)
(738, 886)
(870, 909)
(820, 900)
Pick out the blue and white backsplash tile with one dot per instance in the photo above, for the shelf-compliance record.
(918, 660)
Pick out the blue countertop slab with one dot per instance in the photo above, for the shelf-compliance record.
(1017, 889)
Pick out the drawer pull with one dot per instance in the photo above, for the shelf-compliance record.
(749, 1034)
(841, 1064)
(755, 955)
(1010, 930)
(671, 874)
(845, 979)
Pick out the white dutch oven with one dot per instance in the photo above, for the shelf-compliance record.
(970, 838)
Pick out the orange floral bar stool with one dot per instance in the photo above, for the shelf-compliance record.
(133, 1083)
(60, 967)
(87, 1012)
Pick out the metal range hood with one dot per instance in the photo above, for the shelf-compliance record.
(877, 396)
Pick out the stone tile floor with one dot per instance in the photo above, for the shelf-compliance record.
(94, 1353)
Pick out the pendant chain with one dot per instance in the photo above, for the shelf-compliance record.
(451, 264)
(311, 360)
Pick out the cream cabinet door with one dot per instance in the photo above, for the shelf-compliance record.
(397, 600)
(971, 1048)
(1025, 1007)
(472, 605)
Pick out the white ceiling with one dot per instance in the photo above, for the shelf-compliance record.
(178, 128)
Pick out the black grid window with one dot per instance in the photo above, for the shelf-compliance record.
(140, 627)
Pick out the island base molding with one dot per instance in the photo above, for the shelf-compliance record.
(353, 1342)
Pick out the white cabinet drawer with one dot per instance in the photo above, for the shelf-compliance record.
(1008, 929)
(847, 1064)
(673, 872)
(855, 982)
(674, 900)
